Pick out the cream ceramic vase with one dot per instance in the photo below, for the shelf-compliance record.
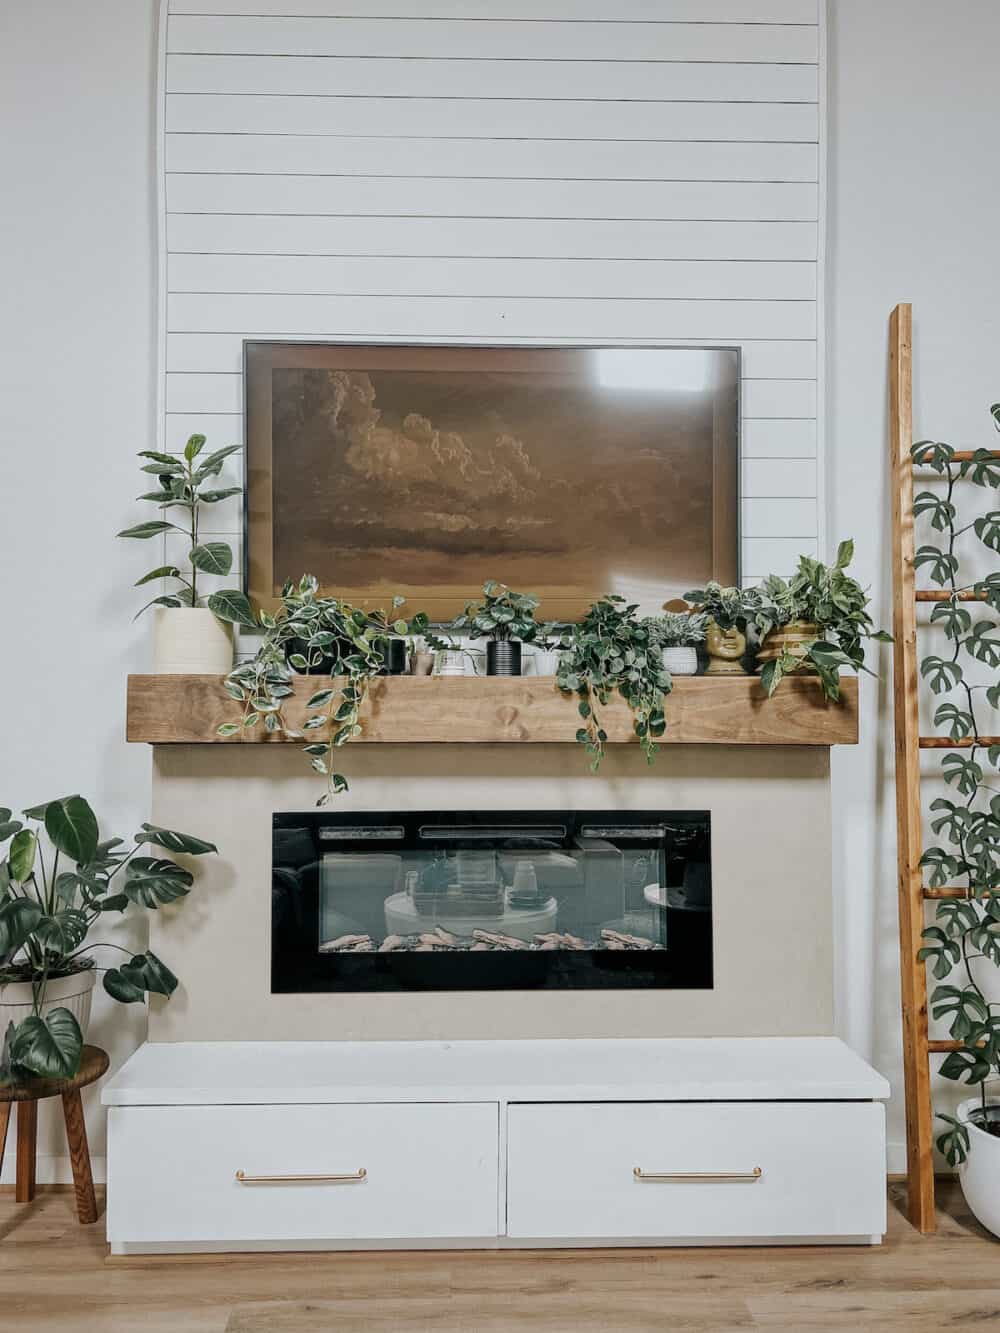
(544, 662)
(191, 641)
(980, 1172)
(681, 660)
(793, 638)
(73, 993)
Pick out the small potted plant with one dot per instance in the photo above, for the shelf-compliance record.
(505, 619)
(677, 634)
(54, 889)
(192, 634)
(728, 612)
(817, 622)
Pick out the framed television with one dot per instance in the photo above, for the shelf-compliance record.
(568, 472)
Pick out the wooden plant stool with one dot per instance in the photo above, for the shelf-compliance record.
(27, 1095)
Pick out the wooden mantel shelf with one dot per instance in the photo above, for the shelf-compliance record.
(702, 710)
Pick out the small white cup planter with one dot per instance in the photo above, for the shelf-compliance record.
(681, 661)
(73, 993)
(544, 663)
(191, 641)
(980, 1172)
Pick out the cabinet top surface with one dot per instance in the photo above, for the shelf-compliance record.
(661, 1069)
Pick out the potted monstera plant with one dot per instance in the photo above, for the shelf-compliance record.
(57, 880)
(192, 632)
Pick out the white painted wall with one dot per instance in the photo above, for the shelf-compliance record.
(913, 202)
(77, 400)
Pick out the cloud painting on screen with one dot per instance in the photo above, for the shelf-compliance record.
(561, 479)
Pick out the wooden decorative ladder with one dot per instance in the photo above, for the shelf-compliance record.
(913, 894)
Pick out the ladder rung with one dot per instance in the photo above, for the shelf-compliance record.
(931, 595)
(964, 456)
(939, 1047)
(943, 743)
(958, 891)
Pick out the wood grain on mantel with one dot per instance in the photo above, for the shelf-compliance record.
(702, 710)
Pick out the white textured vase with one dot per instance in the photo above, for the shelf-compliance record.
(980, 1172)
(545, 663)
(681, 661)
(450, 664)
(191, 641)
(73, 993)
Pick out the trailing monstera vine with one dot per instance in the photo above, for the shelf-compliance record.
(965, 936)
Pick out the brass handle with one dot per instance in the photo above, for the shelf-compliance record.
(284, 1180)
(679, 1177)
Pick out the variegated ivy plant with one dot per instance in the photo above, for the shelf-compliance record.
(186, 483)
(57, 880)
(965, 936)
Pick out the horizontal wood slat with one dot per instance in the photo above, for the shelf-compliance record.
(507, 39)
(957, 891)
(625, 11)
(931, 595)
(408, 709)
(945, 742)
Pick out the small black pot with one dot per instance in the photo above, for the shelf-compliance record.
(503, 657)
(393, 654)
(325, 667)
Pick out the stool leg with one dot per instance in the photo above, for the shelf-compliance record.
(79, 1152)
(5, 1109)
(27, 1137)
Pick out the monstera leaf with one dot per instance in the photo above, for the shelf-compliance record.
(63, 931)
(49, 1047)
(71, 826)
(18, 919)
(130, 982)
(175, 842)
(151, 881)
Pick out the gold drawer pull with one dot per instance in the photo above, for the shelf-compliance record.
(677, 1177)
(284, 1180)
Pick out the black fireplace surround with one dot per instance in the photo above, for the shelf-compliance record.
(491, 900)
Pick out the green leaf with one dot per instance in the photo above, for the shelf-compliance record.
(72, 828)
(212, 558)
(953, 1144)
(232, 605)
(320, 698)
(933, 454)
(953, 618)
(941, 673)
(18, 919)
(175, 842)
(943, 565)
(151, 881)
(942, 511)
(213, 497)
(164, 572)
(957, 720)
(845, 554)
(144, 972)
(121, 987)
(982, 469)
(21, 858)
(50, 1047)
(63, 931)
(9, 827)
(194, 447)
(966, 774)
(211, 464)
(169, 459)
(150, 529)
(228, 729)
(981, 646)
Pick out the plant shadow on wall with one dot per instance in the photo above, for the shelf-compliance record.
(965, 936)
(57, 881)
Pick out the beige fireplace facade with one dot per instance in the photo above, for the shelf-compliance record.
(772, 898)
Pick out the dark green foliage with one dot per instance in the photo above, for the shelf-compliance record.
(966, 931)
(501, 615)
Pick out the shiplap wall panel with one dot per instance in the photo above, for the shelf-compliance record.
(409, 170)
(503, 39)
(508, 159)
(556, 80)
(492, 118)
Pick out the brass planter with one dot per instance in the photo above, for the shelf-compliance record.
(794, 638)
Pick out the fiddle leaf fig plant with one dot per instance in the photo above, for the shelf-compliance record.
(186, 483)
(57, 880)
(307, 632)
(609, 651)
(963, 944)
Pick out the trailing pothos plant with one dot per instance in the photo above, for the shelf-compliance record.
(307, 632)
(187, 482)
(56, 881)
(608, 651)
(829, 598)
(965, 936)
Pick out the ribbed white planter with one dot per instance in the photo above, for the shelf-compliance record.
(681, 661)
(190, 641)
(73, 993)
(544, 663)
(980, 1172)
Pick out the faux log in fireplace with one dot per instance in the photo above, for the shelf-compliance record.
(490, 900)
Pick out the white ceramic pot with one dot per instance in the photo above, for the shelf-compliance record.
(980, 1172)
(544, 663)
(73, 993)
(681, 661)
(450, 664)
(191, 641)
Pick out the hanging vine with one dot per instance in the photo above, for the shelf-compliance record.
(966, 933)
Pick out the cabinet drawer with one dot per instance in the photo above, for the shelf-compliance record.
(571, 1170)
(429, 1171)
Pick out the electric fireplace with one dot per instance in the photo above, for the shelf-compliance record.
(489, 900)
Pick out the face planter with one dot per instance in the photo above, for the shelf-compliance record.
(725, 648)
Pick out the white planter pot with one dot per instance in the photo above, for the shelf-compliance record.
(681, 661)
(544, 663)
(450, 664)
(190, 641)
(980, 1172)
(73, 993)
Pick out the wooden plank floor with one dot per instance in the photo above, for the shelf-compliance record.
(57, 1275)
